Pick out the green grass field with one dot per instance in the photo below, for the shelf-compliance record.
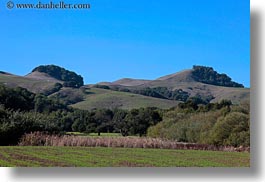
(102, 98)
(117, 157)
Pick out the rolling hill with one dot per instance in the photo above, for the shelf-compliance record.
(128, 93)
(102, 98)
(184, 80)
(35, 82)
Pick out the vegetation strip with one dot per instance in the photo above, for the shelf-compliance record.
(41, 139)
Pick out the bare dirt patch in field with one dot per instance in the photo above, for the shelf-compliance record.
(42, 162)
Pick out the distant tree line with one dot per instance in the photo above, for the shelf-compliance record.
(71, 79)
(209, 76)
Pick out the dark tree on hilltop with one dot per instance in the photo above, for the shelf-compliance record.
(71, 79)
(209, 76)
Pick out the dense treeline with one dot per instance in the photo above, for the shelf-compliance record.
(14, 124)
(214, 123)
(22, 100)
(133, 122)
(71, 79)
(17, 98)
(23, 112)
(210, 76)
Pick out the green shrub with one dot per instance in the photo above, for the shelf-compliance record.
(232, 129)
(219, 124)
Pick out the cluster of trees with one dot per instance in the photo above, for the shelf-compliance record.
(22, 112)
(14, 124)
(133, 122)
(197, 102)
(164, 93)
(209, 76)
(214, 123)
(71, 79)
(17, 98)
(20, 99)
(218, 124)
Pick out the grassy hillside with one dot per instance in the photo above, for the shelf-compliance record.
(130, 82)
(35, 83)
(184, 80)
(40, 82)
(117, 157)
(102, 98)
(236, 95)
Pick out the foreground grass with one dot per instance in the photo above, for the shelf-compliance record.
(117, 157)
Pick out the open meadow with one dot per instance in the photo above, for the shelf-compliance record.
(21, 156)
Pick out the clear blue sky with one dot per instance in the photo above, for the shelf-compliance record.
(129, 38)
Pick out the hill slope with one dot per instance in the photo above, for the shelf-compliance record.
(195, 88)
(131, 82)
(36, 82)
(43, 79)
(187, 82)
(41, 76)
(102, 98)
(130, 93)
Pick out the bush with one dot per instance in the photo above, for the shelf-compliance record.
(217, 124)
(232, 129)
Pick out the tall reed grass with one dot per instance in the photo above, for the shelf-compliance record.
(42, 139)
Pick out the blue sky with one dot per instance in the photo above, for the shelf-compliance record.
(132, 38)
